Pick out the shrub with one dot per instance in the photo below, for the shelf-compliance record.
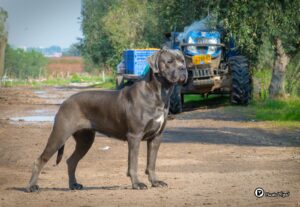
(24, 65)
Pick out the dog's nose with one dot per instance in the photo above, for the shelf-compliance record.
(182, 68)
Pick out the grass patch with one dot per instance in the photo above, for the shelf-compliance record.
(197, 100)
(285, 124)
(77, 78)
(198, 97)
(192, 98)
(52, 81)
(278, 110)
(262, 79)
(109, 83)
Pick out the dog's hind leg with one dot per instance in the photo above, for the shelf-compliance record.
(60, 133)
(84, 140)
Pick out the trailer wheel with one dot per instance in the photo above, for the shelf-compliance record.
(176, 100)
(241, 80)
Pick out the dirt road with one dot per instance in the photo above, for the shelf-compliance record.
(210, 157)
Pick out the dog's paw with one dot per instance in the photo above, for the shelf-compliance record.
(33, 188)
(139, 186)
(75, 186)
(158, 183)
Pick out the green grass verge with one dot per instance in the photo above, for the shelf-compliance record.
(198, 100)
(278, 110)
(75, 78)
(192, 98)
(109, 83)
(282, 112)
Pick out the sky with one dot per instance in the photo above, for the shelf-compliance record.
(42, 23)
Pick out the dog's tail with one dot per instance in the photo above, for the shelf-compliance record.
(60, 154)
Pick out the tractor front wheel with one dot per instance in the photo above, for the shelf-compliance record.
(176, 100)
(241, 80)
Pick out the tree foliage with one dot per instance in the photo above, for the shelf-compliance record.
(96, 47)
(125, 24)
(73, 50)
(3, 38)
(293, 75)
(181, 13)
(3, 17)
(23, 65)
(253, 23)
(109, 27)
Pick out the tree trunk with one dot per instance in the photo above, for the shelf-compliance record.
(3, 42)
(276, 88)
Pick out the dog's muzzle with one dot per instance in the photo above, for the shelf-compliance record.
(183, 76)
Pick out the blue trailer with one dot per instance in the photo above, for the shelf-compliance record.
(133, 66)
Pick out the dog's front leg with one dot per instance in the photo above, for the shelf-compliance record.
(152, 149)
(133, 152)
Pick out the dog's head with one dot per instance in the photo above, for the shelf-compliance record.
(169, 64)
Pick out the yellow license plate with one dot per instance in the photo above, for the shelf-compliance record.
(201, 59)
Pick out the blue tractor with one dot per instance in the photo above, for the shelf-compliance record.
(214, 66)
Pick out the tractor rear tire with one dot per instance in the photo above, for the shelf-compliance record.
(176, 101)
(241, 80)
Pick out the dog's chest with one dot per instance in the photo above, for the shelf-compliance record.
(155, 125)
(160, 121)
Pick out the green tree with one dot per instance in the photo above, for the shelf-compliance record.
(23, 65)
(73, 50)
(130, 24)
(181, 13)
(252, 22)
(3, 38)
(284, 23)
(95, 45)
(293, 75)
(109, 27)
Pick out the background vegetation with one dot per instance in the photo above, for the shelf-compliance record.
(24, 65)
(3, 38)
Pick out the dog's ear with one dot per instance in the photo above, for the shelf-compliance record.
(153, 62)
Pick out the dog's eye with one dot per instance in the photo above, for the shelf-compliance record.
(170, 61)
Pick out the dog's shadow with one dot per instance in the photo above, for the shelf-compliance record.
(115, 187)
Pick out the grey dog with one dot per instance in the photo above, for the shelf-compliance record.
(135, 113)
